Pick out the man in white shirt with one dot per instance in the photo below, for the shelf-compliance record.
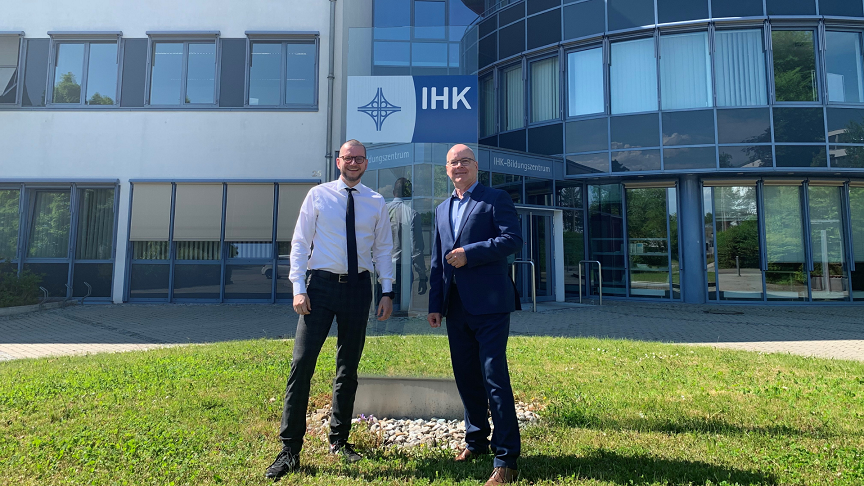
(348, 226)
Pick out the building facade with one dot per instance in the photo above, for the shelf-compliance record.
(695, 150)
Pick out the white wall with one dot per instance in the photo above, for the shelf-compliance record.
(141, 144)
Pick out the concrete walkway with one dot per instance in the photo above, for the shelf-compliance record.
(815, 330)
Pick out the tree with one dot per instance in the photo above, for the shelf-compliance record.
(98, 99)
(67, 90)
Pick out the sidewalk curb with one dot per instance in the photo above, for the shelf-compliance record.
(26, 309)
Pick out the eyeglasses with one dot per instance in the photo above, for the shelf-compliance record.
(356, 160)
(460, 163)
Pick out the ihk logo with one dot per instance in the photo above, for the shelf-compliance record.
(379, 109)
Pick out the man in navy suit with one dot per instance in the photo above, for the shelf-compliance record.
(476, 229)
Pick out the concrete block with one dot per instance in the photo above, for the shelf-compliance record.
(394, 397)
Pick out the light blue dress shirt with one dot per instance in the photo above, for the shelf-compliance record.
(457, 208)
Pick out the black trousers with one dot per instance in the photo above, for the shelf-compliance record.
(349, 304)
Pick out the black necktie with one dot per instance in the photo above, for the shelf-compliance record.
(351, 233)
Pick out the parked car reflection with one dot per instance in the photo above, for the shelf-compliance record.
(282, 271)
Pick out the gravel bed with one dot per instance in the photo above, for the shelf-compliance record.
(406, 433)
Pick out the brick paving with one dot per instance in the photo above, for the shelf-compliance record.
(812, 330)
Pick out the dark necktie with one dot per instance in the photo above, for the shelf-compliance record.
(351, 233)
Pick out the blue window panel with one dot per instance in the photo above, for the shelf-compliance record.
(844, 76)
(425, 54)
(841, 8)
(429, 20)
(746, 157)
(736, 8)
(689, 158)
(635, 160)
(627, 14)
(791, 7)
(392, 53)
(148, 281)
(745, 125)
(584, 19)
(801, 156)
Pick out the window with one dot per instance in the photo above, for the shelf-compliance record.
(629, 92)
(429, 20)
(487, 106)
(544, 90)
(585, 82)
(739, 63)
(85, 73)
(627, 14)
(183, 73)
(844, 74)
(391, 19)
(794, 65)
(283, 73)
(513, 103)
(8, 224)
(685, 80)
(680, 10)
(9, 47)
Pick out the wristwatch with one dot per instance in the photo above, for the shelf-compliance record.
(390, 294)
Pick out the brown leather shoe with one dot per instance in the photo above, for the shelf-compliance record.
(466, 455)
(502, 475)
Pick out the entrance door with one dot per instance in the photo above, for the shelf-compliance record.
(537, 245)
(652, 240)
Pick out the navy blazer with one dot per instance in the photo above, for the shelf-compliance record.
(489, 233)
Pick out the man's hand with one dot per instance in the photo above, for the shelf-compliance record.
(385, 308)
(421, 286)
(457, 257)
(302, 305)
(434, 319)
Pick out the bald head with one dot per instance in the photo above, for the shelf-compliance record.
(461, 167)
(460, 151)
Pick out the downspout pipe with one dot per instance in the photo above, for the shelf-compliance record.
(328, 154)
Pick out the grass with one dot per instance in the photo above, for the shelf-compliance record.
(616, 413)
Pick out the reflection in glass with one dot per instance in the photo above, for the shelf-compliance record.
(509, 183)
(538, 191)
(629, 93)
(201, 73)
(685, 69)
(395, 14)
(264, 74)
(801, 156)
(392, 53)
(148, 281)
(827, 244)
(52, 276)
(784, 243)
(49, 226)
(635, 160)
(736, 8)
(95, 224)
(738, 272)
(799, 125)
(9, 46)
(689, 158)
(395, 182)
(648, 222)
(249, 249)
(198, 250)
(847, 156)
(844, 74)
(513, 103)
(585, 82)
(98, 275)
(428, 20)
(840, 8)
(8, 224)
(606, 244)
(790, 7)
(587, 135)
(635, 131)
(574, 251)
(587, 163)
(544, 89)
(165, 82)
(102, 74)
(150, 250)
(708, 223)
(856, 210)
(584, 19)
(442, 186)
(688, 127)
(626, 14)
(68, 73)
(422, 183)
(197, 281)
(569, 194)
(428, 54)
(487, 106)
(845, 125)
(748, 157)
(249, 281)
(746, 125)
(794, 65)
(739, 62)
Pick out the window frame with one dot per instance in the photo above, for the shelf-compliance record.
(654, 36)
(19, 68)
(529, 85)
(87, 39)
(768, 65)
(493, 130)
(185, 38)
(819, 59)
(282, 38)
(604, 66)
(502, 95)
(839, 28)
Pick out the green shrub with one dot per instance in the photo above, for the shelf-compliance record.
(17, 290)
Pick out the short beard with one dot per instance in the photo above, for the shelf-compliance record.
(350, 178)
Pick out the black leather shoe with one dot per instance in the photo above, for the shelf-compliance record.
(285, 462)
(345, 450)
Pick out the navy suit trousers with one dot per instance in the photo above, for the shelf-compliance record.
(478, 351)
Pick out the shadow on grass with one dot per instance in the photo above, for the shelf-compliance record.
(601, 465)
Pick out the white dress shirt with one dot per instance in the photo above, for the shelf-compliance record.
(322, 224)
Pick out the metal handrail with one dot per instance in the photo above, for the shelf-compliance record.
(599, 273)
(533, 281)
(89, 291)
(44, 296)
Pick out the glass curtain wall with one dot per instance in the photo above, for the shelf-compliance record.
(544, 90)
(197, 233)
(856, 210)
(249, 242)
(633, 93)
(652, 233)
(739, 67)
(513, 102)
(9, 203)
(844, 74)
(48, 239)
(585, 82)
(795, 75)
(734, 224)
(606, 238)
(685, 71)
(94, 249)
(784, 243)
(828, 279)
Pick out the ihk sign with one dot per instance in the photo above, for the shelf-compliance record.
(406, 109)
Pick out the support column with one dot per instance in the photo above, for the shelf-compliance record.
(692, 238)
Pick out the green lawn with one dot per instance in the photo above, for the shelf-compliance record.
(617, 413)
